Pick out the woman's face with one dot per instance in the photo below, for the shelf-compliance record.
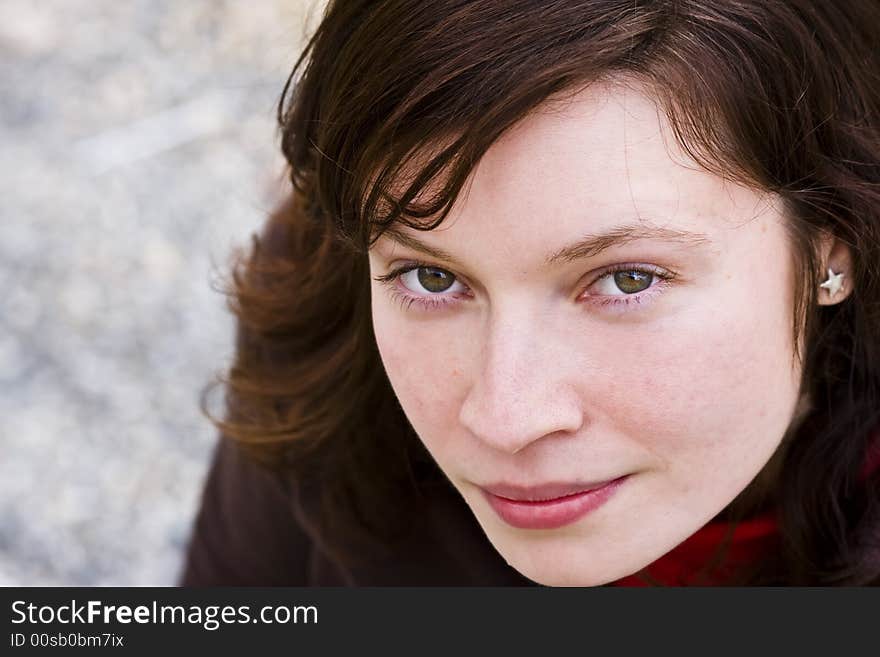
(596, 307)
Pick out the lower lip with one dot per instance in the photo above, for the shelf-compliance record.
(550, 514)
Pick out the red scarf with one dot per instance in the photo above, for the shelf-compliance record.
(699, 562)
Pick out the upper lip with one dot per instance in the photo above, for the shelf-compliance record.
(542, 492)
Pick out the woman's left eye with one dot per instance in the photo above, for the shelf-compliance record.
(626, 281)
(622, 285)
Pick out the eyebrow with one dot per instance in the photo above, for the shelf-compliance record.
(589, 246)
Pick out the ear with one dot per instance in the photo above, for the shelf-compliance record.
(836, 256)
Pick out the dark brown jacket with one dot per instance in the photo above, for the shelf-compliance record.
(250, 531)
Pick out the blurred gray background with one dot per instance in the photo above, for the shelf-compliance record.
(138, 148)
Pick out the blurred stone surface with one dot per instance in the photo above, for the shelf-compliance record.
(139, 148)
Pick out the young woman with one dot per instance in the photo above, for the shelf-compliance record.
(576, 292)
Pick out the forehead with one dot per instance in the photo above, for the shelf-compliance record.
(608, 147)
(601, 160)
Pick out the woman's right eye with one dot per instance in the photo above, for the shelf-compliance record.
(422, 285)
(430, 279)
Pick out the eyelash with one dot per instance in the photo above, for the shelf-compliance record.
(619, 302)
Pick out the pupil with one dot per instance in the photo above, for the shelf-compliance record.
(435, 280)
(631, 282)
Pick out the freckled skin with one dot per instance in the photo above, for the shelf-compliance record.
(523, 382)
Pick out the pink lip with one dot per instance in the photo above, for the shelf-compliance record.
(548, 506)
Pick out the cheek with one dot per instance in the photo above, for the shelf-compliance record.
(720, 387)
(421, 360)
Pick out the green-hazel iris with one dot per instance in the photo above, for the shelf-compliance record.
(435, 280)
(632, 281)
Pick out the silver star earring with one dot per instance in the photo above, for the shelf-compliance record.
(833, 284)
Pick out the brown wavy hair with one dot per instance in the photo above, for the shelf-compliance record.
(392, 99)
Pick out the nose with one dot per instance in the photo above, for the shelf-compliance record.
(519, 392)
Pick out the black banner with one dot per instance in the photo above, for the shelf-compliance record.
(414, 620)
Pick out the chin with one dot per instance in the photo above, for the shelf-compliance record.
(550, 568)
(555, 577)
